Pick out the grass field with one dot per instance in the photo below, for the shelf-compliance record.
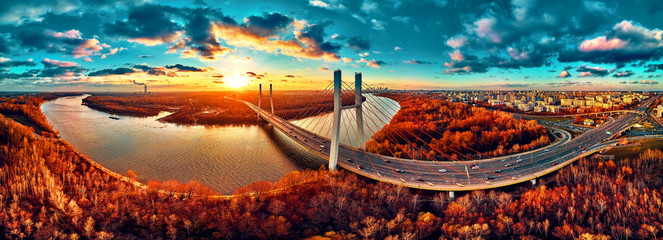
(634, 151)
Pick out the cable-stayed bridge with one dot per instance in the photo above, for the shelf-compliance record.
(455, 175)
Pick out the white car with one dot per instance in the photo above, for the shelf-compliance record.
(443, 170)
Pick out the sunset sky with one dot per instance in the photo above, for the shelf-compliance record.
(95, 45)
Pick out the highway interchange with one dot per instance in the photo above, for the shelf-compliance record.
(465, 175)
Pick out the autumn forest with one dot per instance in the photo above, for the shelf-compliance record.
(48, 190)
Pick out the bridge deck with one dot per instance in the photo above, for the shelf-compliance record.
(455, 175)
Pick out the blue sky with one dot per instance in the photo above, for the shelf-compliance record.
(94, 45)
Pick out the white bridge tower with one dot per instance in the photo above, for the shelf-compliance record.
(337, 115)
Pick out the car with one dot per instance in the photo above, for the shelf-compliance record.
(554, 163)
(294, 136)
(547, 150)
(474, 166)
(314, 136)
(387, 161)
(518, 157)
(305, 140)
(323, 146)
(519, 160)
(350, 160)
(442, 170)
(360, 166)
(420, 179)
(490, 177)
(497, 171)
(399, 170)
(508, 165)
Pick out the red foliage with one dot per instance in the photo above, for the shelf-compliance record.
(447, 130)
(49, 190)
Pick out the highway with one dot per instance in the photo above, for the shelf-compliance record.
(467, 175)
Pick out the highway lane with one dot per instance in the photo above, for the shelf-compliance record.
(459, 176)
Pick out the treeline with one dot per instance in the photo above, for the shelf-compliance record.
(25, 110)
(437, 129)
(215, 108)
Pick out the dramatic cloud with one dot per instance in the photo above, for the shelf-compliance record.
(586, 71)
(564, 74)
(183, 68)
(108, 72)
(148, 24)
(69, 42)
(8, 63)
(626, 42)
(654, 67)
(55, 63)
(359, 44)
(268, 24)
(621, 74)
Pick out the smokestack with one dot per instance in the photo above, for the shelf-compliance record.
(144, 85)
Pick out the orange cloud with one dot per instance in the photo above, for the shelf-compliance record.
(301, 47)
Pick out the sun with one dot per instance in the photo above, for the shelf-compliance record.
(236, 81)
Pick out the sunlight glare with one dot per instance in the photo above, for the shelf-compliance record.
(236, 81)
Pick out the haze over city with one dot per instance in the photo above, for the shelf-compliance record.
(433, 44)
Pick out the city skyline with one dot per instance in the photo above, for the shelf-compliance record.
(433, 44)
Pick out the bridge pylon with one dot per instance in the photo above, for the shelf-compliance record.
(337, 115)
(271, 99)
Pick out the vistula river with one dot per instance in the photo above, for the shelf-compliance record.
(221, 157)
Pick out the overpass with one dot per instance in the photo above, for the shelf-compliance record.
(453, 175)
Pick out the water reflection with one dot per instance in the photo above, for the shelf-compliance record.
(222, 157)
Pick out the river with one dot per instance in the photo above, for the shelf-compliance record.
(221, 157)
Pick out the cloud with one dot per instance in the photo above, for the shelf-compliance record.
(648, 82)
(345, 59)
(69, 42)
(109, 72)
(255, 75)
(218, 76)
(378, 25)
(587, 71)
(368, 6)
(358, 44)
(653, 67)
(564, 74)
(183, 68)
(419, 62)
(621, 74)
(290, 76)
(55, 63)
(375, 63)
(331, 5)
(145, 56)
(323, 69)
(149, 25)
(397, 48)
(268, 24)
(402, 19)
(308, 42)
(8, 63)
(622, 82)
(626, 42)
